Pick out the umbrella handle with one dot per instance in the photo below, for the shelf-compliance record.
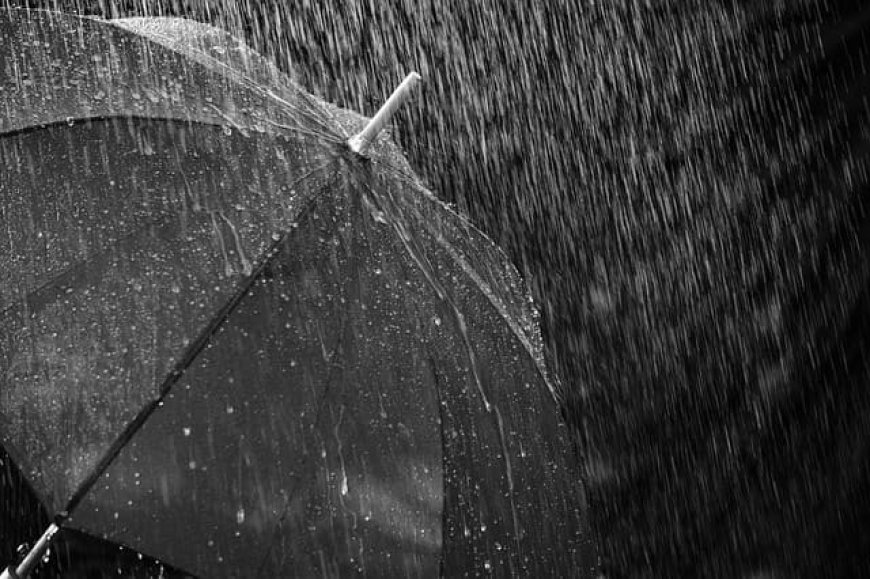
(360, 142)
(26, 566)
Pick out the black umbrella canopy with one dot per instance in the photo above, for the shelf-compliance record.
(233, 344)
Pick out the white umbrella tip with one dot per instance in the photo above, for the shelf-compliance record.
(360, 142)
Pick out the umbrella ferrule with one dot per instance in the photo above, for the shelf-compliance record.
(32, 558)
(361, 142)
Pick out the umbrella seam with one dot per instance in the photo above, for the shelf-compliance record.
(163, 117)
(173, 377)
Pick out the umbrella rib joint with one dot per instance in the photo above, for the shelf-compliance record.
(361, 142)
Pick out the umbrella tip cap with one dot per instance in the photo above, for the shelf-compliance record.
(361, 142)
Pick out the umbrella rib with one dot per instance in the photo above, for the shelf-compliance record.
(291, 495)
(500, 308)
(420, 260)
(238, 75)
(54, 280)
(313, 105)
(427, 270)
(303, 131)
(469, 270)
(319, 414)
(398, 171)
(175, 375)
(442, 413)
(72, 269)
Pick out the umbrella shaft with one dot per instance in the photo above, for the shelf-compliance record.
(26, 566)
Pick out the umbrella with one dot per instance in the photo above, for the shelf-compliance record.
(241, 336)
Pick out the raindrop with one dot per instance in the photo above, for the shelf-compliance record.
(191, 465)
(437, 320)
(186, 431)
(240, 515)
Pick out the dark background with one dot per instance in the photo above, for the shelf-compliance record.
(683, 183)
